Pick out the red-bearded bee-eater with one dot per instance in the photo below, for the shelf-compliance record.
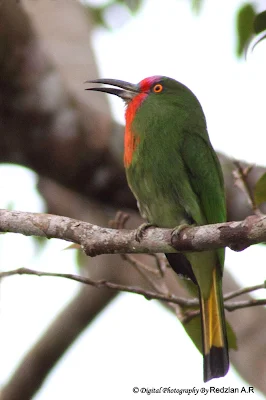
(176, 177)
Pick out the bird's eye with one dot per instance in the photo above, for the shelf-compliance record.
(157, 88)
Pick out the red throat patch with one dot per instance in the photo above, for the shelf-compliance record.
(132, 139)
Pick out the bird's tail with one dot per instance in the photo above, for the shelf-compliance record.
(214, 338)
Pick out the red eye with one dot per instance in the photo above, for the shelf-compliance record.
(157, 88)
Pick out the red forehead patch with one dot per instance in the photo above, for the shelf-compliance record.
(147, 83)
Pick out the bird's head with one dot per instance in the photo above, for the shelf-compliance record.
(160, 90)
(155, 104)
(129, 91)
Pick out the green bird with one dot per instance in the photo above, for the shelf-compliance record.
(176, 177)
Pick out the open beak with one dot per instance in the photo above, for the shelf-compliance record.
(127, 91)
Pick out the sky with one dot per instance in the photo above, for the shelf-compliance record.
(135, 342)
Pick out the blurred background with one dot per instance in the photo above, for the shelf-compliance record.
(61, 151)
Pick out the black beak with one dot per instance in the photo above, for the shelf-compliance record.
(129, 90)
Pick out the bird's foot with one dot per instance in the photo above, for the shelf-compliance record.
(140, 230)
(178, 229)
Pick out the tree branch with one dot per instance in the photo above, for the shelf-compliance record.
(48, 134)
(95, 240)
(169, 298)
(241, 181)
(245, 290)
(237, 305)
(105, 284)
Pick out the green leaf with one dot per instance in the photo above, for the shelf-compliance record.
(132, 5)
(245, 27)
(260, 22)
(260, 190)
(259, 28)
(39, 243)
(196, 5)
(97, 15)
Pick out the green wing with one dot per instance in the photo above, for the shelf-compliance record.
(206, 179)
(205, 176)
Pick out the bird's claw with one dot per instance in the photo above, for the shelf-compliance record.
(140, 230)
(178, 229)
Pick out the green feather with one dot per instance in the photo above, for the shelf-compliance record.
(177, 179)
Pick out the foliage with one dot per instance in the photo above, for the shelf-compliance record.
(260, 190)
(196, 5)
(98, 13)
(248, 22)
(245, 28)
(260, 22)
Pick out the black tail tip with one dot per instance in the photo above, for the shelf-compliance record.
(216, 363)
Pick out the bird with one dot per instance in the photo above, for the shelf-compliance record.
(176, 178)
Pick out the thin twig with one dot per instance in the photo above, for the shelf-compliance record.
(241, 175)
(138, 264)
(248, 289)
(144, 270)
(159, 285)
(237, 305)
(229, 306)
(161, 265)
(103, 283)
(120, 220)
(189, 315)
(171, 299)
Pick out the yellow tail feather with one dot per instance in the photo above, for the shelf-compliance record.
(215, 348)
